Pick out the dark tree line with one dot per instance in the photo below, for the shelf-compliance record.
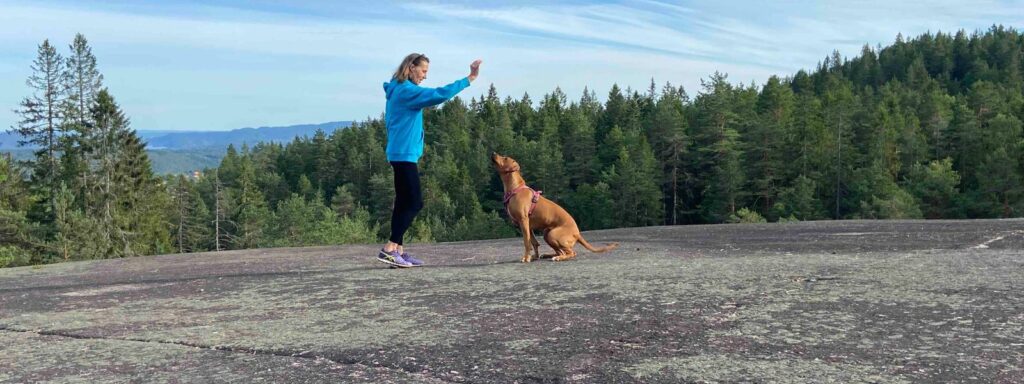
(925, 128)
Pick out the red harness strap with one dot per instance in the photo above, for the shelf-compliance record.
(533, 202)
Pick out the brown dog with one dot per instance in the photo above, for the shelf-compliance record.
(531, 211)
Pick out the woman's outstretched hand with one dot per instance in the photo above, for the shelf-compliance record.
(474, 70)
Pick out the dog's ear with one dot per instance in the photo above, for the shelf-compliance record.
(510, 166)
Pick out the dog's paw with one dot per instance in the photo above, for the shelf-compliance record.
(526, 259)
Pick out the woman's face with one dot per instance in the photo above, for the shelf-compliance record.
(419, 72)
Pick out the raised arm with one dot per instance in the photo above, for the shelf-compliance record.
(422, 97)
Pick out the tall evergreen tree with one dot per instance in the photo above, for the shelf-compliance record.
(222, 225)
(41, 125)
(78, 236)
(189, 217)
(15, 233)
(110, 129)
(935, 185)
(579, 148)
(838, 106)
(141, 198)
(251, 213)
(766, 147)
(669, 140)
(82, 84)
(637, 199)
(717, 153)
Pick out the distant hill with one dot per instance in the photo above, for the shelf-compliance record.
(184, 160)
(8, 140)
(177, 140)
(164, 161)
(221, 139)
(185, 151)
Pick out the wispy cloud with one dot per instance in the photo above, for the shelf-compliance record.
(610, 25)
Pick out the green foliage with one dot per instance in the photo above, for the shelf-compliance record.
(80, 236)
(935, 186)
(800, 201)
(898, 204)
(592, 206)
(929, 127)
(11, 256)
(747, 216)
(299, 222)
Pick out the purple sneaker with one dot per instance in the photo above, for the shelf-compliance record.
(393, 258)
(412, 260)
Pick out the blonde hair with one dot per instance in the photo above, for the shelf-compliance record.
(404, 70)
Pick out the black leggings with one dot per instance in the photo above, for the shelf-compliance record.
(408, 198)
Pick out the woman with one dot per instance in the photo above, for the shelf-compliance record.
(404, 121)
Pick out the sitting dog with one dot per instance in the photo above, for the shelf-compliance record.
(531, 211)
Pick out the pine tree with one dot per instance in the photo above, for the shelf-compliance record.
(766, 142)
(669, 140)
(76, 233)
(321, 176)
(634, 178)
(936, 187)
(305, 188)
(15, 233)
(615, 114)
(198, 232)
(1001, 186)
(187, 215)
(800, 201)
(222, 225)
(64, 220)
(522, 115)
(251, 213)
(294, 221)
(228, 170)
(838, 107)
(496, 123)
(343, 202)
(111, 126)
(381, 202)
(544, 164)
(590, 106)
(41, 125)
(141, 198)
(717, 158)
(593, 206)
(579, 149)
(82, 84)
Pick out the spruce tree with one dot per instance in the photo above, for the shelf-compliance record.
(766, 147)
(251, 213)
(41, 125)
(669, 140)
(82, 84)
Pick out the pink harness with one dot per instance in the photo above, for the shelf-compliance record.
(533, 203)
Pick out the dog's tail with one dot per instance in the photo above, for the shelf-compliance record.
(607, 247)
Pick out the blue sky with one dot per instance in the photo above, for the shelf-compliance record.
(217, 65)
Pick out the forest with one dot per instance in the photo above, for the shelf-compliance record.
(928, 127)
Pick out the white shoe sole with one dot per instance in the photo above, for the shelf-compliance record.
(393, 264)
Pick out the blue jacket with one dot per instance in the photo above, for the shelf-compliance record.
(403, 115)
